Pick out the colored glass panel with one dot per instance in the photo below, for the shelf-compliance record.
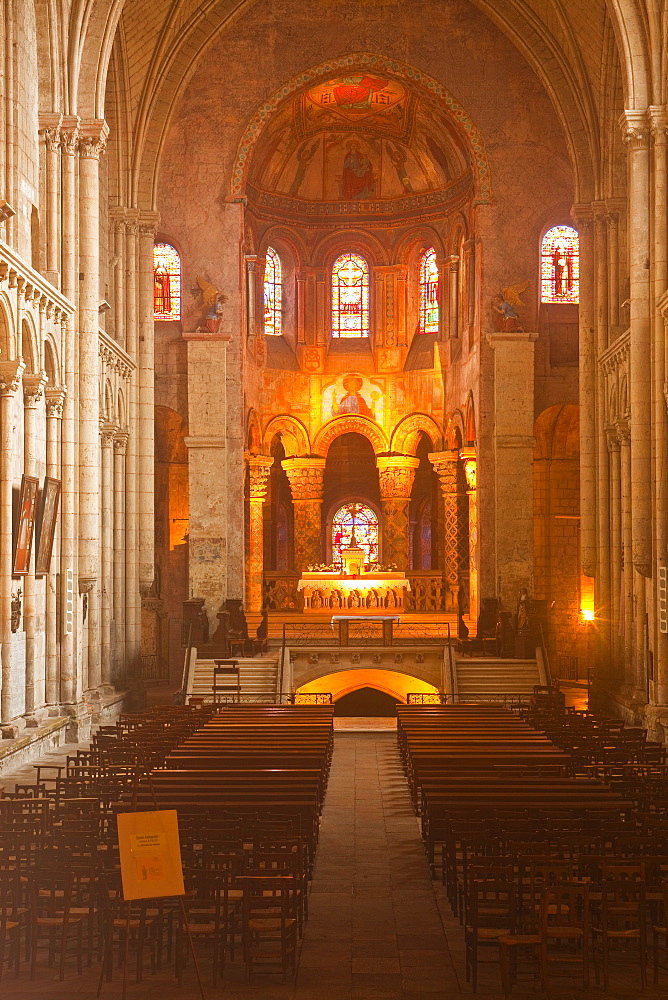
(273, 293)
(364, 521)
(166, 282)
(350, 296)
(560, 265)
(429, 292)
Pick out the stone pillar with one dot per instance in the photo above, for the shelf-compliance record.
(33, 394)
(615, 534)
(258, 469)
(627, 540)
(446, 465)
(55, 398)
(396, 474)
(306, 476)
(470, 471)
(513, 453)
(107, 441)
(132, 609)
(10, 380)
(146, 415)
(453, 296)
(251, 295)
(120, 444)
(49, 129)
(92, 142)
(636, 133)
(583, 218)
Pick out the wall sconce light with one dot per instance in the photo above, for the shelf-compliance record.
(587, 615)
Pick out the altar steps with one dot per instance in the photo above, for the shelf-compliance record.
(477, 678)
(258, 678)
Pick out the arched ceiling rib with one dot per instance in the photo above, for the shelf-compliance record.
(563, 40)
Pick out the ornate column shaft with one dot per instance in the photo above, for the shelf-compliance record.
(636, 133)
(55, 398)
(132, 609)
(306, 476)
(251, 294)
(453, 295)
(445, 463)
(120, 444)
(396, 474)
(107, 434)
(33, 394)
(470, 471)
(49, 129)
(10, 380)
(92, 142)
(583, 219)
(258, 468)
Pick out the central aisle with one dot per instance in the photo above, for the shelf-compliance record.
(374, 929)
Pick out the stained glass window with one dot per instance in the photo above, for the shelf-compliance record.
(365, 523)
(429, 292)
(560, 265)
(350, 296)
(273, 293)
(166, 282)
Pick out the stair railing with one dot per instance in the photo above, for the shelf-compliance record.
(543, 660)
(182, 693)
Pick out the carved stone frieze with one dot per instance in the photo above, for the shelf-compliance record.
(259, 467)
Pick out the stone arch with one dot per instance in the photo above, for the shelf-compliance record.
(344, 241)
(120, 409)
(7, 339)
(454, 431)
(373, 63)
(406, 435)
(341, 682)
(469, 421)
(253, 433)
(51, 361)
(292, 432)
(350, 424)
(109, 407)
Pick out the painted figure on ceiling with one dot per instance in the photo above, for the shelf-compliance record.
(304, 156)
(358, 179)
(398, 156)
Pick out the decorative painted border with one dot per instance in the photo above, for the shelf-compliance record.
(381, 64)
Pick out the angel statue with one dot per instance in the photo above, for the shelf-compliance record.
(212, 300)
(505, 305)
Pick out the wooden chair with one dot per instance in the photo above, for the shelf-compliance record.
(11, 920)
(491, 913)
(269, 924)
(208, 915)
(660, 930)
(51, 895)
(564, 928)
(131, 920)
(619, 918)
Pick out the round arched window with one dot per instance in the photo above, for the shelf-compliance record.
(360, 520)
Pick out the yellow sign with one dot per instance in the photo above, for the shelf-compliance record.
(150, 854)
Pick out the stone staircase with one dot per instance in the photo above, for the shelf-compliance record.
(258, 676)
(477, 678)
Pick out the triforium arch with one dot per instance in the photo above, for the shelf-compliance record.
(350, 425)
(406, 435)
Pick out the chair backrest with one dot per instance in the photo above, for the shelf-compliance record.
(564, 904)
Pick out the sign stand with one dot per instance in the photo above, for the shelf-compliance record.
(150, 855)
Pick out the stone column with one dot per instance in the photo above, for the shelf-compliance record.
(636, 133)
(470, 471)
(92, 142)
(258, 469)
(251, 295)
(120, 444)
(33, 394)
(446, 465)
(146, 424)
(10, 380)
(49, 129)
(306, 476)
(583, 218)
(615, 534)
(55, 398)
(107, 434)
(627, 540)
(396, 474)
(453, 296)
(513, 452)
(132, 610)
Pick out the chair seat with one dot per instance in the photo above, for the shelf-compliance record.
(271, 924)
(488, 933)
(520, 939)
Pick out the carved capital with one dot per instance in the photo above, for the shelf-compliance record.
(51, 138)
(635, 128)
(612, 438)
(120, 442)
(623, 432)
(107, 433)
(87, 584)
(396, 474)
(583, 218)
(33, 389)
(658, 122)
(93, 139)
(10, 376)
(305, 476)
(55, 400)
(445, 467)
(259, 467)
(471, 473)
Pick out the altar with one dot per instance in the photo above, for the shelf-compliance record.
(353, 588)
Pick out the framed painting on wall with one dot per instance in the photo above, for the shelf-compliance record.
(26, 525)
(47, 528)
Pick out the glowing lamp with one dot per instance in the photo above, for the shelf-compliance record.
(587, 614)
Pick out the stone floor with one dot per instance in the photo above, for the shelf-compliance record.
(379, 929)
